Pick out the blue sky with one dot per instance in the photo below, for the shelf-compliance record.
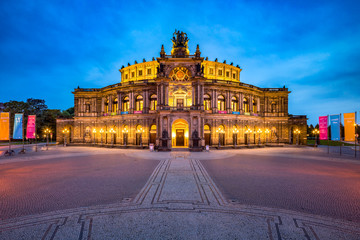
(48, 48)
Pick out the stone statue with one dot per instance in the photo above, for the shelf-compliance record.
(180, 39)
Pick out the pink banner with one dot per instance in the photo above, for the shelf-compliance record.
(222, 112)
(30, 130)
(323, 127)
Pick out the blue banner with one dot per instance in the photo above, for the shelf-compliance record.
(335, 127)
(18, 126)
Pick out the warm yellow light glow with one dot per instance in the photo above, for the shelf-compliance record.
(186, 134)
(297, 131)
(267, 131)
(94, 130)
(316, 131)
(101, 130)
(65, 130)
(173, 134)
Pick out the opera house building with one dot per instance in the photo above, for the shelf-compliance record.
(181, 100)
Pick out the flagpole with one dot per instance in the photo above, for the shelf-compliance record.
(327, 129)
(355, 134)
(22, 128)
(9, 136)
(340, 133)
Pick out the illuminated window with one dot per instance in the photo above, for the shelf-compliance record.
(139, 103)
(133, 74)
(149, 71)
(220, 72)
(254, 106)
(246, 105)
(207, 102)
(153, 102)
(106, 107)
(227, 74)
(221, 103)
(115, 105)
(234, 104)
(125, 104)
(211, 71)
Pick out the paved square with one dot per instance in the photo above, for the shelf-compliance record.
(126, 194)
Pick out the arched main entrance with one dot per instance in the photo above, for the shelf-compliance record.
(180, 133)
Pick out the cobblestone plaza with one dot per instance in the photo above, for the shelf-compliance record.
(97, 193)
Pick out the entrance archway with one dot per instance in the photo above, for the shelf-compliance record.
(180, 133)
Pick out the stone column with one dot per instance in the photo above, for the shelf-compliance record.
(102, 105)
(166, 90)
(119, 102)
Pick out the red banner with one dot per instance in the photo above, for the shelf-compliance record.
(323, 127)
(31, 126)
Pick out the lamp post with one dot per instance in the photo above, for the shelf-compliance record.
(65, 131)
(219, 131)
(266, 135)
(297, 132)
(259, 131)
(248, 132)
(112, 132)
(316, 133)
(101, 135)
(140, 131)
(94, 132)
(125, 132)
(47, 132)
(235, 132)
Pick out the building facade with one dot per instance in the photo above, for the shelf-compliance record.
(182, 101)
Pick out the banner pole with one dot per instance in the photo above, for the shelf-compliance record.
(9, 136)
(327, 129)
(23, 119)
(355, 134)
(340, 133)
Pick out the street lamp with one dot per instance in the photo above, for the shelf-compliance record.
(316, 133)
(266, 134)
(248, 132)
(235, 132)
(112, 132)
(65, 131)
(297, 132)
(259, 131)
(101, 134)
(125, 132)
(47, 132)
(94, 132)
(220, 130)
(140, 131)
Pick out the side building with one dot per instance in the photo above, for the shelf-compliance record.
(182, 101)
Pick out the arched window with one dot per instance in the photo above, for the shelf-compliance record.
(255, 108)
(207, 102)
(139, 103)
(115, 105)
(106, 107)
(153, 101)
(234, 104)
(221, 103)
(246, 105)
(125, 104)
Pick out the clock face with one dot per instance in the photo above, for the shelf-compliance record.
(180, 74)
